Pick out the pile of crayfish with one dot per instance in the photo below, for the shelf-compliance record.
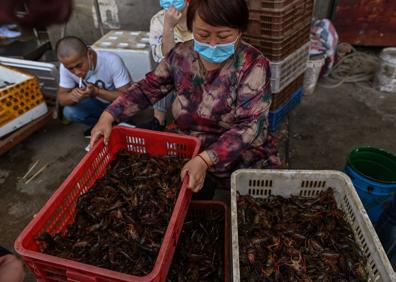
(297, 239)
(119, 224)
(200, 250)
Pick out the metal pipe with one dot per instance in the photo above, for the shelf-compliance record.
(99, 17)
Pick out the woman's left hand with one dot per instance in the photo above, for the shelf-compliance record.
(196, 169)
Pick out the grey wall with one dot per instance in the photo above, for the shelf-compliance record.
(132, 15)
(323, 8)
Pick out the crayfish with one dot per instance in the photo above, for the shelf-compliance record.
(297, 239)
(119, 224)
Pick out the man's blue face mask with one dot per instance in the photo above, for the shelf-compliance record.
(89, 74)
(178, 4)
(215, 54)
(91, 70)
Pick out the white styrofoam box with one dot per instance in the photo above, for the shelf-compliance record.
(308, 183)
(287, 70)
(12, 76)
(133, 47)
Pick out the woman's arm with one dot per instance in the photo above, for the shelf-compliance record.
(162, 32)
(252, 107)
(172, 17)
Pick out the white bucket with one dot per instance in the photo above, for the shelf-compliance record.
(385, 79)
(314, 65)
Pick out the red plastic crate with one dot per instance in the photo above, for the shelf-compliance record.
(59, 211)
(294, 22)
(200, 209)
(280, 23)
(279, 99)
(297, 7)
(268, 4)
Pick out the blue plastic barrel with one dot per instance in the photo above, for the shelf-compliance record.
(373, 173)
(386, 230)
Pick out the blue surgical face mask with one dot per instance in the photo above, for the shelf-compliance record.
(91, 70)
(215, 54)
(89, 74)
(178, 4)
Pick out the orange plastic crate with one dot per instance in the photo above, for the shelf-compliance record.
(59, 211)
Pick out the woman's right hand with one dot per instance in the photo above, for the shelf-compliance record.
(172, 17)
(102, 128)
(196, 170)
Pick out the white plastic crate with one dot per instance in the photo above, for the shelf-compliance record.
(309, 183)
(133, 47)
(287, 70)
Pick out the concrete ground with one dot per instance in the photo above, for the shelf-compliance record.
(318, 134)
(326, 126)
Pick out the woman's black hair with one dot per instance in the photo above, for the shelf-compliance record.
(229, 13)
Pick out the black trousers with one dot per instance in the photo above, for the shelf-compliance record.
(208, 190)
(4, 251)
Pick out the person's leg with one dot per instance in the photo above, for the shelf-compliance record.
(87, 111)
(208, 190)
(160, 116)
(162, 107)
(11, 268)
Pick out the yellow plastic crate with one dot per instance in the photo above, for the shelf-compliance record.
(20, 102)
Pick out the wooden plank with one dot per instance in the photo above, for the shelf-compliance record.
(366, 22)
(22, 133)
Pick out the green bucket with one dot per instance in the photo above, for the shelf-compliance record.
(373, 163)
(373, 173)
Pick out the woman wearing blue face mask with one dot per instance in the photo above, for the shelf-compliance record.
(222, 88)
(167, 28)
